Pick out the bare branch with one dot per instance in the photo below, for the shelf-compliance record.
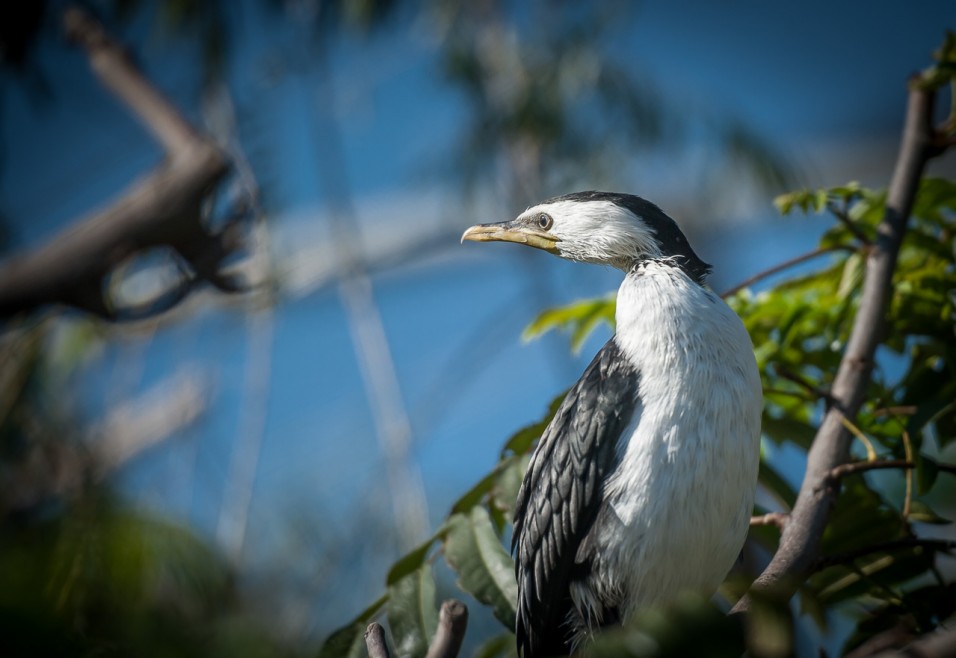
(850, 225)
(799, 543)
(778, 519)
(851, 468)
(161, 209)
(375, 641)
(452, 623)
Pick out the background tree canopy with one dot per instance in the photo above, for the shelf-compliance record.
(248, 374)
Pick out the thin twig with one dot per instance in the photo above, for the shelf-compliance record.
(799, 380)
(908, 499)
(375, 641)
(778, 519)
(787, 264)
(907, 410)
(852, 468)
(452, 622)
(791, 394)
(850, 225)
(858, 433)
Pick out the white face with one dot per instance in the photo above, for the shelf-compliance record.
(594, 231)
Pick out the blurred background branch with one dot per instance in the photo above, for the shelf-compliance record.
(163, 209)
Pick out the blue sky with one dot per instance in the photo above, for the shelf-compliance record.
(823, 83)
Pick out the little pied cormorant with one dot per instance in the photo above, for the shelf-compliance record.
(642, 485)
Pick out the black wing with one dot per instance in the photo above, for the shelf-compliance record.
(561, 496)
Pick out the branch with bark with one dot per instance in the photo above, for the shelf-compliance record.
(798, 550)
(452, 622)
(161, 210)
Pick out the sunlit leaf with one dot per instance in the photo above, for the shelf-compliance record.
(484, 568)
(579, 318)
(412, 612)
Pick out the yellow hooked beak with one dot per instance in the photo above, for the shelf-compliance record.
(513, 232)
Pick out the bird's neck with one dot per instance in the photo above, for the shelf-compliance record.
(659, 306)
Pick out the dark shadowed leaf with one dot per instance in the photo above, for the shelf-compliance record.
(926, 472)
(500, 646)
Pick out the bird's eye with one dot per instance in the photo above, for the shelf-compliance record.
(544, 221)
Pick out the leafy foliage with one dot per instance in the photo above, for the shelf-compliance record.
(873, 548)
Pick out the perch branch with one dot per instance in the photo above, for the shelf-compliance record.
(161, 209)
(800, 539)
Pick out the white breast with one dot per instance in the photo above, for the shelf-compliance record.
(684, 486)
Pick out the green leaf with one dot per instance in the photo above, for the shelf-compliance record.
(500, 646)
(852, 274)
(580, 318)
(409, 562)
(522, 440)
(477, 493)
(781, 430)
(349, 640)
(484, 569)
(412, 612)
(505, 491)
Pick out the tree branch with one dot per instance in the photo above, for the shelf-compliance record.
(161, 209)
(452, 622)
(375, 641)
(799, 543)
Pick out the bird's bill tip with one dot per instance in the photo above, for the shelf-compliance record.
(508, 232)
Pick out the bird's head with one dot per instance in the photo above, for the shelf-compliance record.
(620, 230)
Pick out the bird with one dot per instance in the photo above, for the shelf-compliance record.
(642, 485)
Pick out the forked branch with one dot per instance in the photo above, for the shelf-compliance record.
(162, 209)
